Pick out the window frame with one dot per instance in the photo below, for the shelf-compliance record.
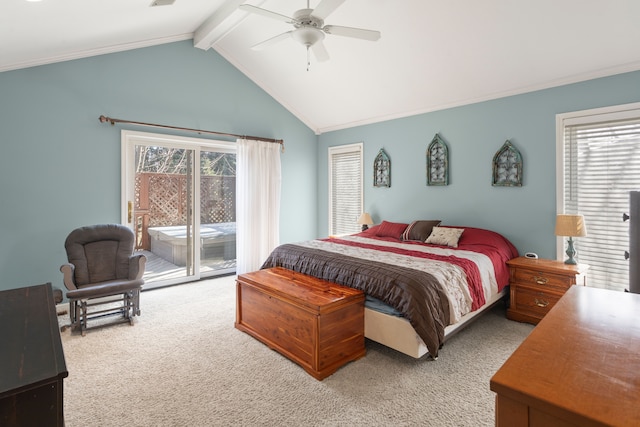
(128, 141)
(583, 117)
(344, 149)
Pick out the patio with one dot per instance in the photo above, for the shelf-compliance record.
(158, 269)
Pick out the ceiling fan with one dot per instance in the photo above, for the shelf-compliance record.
(309, 29)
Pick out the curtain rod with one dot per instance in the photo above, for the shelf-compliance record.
(200, 131)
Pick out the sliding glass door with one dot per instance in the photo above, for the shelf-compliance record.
(179, 198)
(217, 211)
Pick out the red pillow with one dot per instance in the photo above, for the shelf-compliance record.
(391, 229)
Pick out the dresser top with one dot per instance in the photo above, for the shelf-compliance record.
(31, 349)
(581, 362)
(548, 265)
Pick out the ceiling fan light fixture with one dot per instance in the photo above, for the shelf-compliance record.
(307, 36)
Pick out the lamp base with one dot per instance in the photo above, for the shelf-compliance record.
(571, 252)
(365, 227)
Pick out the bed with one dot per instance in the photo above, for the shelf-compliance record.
(423, 281)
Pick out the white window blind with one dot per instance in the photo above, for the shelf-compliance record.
(601, 167)
(345, 188)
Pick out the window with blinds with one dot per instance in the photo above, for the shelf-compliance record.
(601, 166)
(345, 188)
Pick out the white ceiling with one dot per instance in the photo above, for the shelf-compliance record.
(432, 54)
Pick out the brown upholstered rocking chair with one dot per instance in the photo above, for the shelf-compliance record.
(102, 265)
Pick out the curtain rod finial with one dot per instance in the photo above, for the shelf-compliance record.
(106, 119)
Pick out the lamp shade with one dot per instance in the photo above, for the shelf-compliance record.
(365, 219)
(571, 226)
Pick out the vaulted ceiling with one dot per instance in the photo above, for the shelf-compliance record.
(431, 54)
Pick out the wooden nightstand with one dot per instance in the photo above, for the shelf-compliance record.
(536, 285)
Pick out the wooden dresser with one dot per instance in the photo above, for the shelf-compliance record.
(315, 323)
(32, 365)
(536, 285)
(579, 367)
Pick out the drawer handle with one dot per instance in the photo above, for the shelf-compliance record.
(540, 280)
(541, 303)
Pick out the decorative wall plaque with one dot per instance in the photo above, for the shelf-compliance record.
(507, 166)
(437, 162)
(382, 170)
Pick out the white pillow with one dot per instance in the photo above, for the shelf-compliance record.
(445, 236)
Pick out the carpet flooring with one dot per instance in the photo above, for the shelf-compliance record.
(184, 364)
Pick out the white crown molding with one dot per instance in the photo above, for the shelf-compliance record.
(96, 52)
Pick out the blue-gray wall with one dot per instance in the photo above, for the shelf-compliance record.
(474, 133)
(60, 167)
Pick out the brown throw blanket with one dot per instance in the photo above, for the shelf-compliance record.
(416, 294)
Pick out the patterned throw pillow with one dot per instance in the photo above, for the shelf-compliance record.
(445, 236)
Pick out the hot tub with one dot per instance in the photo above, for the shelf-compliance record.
(216, 241)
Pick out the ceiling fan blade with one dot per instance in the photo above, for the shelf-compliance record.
(357, 33)
(270, 42)
(326, 8)
(267, 13)
(320, 51)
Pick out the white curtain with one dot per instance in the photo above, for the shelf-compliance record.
(258, 180)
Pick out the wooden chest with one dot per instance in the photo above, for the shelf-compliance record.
(315, 323)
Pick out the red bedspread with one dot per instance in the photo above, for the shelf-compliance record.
(495, 246)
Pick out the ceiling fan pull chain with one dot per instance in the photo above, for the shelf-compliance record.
(308, 59)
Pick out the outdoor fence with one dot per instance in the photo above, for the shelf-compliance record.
(163, 199)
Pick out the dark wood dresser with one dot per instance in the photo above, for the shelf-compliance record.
(32, 364)
(578, 367)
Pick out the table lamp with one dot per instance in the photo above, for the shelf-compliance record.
(365, 220)
(571, 226)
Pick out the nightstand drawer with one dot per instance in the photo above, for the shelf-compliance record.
(542, 279)
(534, 302)
(537, 284)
